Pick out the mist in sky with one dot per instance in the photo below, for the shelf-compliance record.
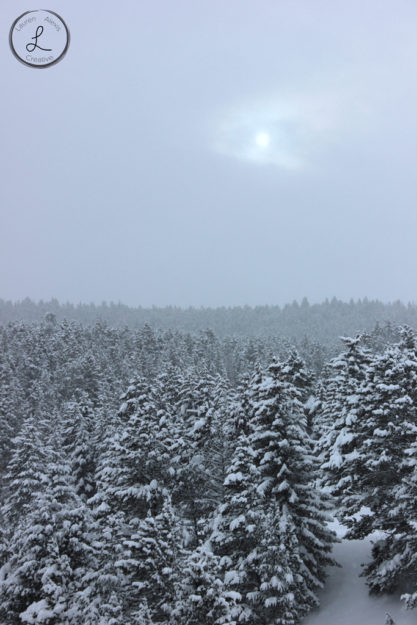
(213, 153)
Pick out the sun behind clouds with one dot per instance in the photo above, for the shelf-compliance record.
(262, 139)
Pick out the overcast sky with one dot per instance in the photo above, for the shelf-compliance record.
(213, 152)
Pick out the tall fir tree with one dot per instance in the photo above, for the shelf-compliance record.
(271, 531)
(340, 410)
(51, 558)
(386, 473)
(79, 442)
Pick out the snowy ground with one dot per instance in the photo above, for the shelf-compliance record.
(345, 599)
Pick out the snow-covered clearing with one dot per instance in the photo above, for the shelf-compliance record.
(345, 599)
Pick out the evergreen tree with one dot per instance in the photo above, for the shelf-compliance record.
(131, 505)
(202, 447)
(295, 371)
(386, 426)
(369, 462)
(79, 442)
(150, 561)
(389, 455)
(271, 529)
(26, 474)
(51, 557)
(338, 421)
(202, 598)
(402, 538)
(12, 408)
(136, 455)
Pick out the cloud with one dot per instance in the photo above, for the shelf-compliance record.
(302, 127)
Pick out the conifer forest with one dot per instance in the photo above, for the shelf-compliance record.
(164, 476)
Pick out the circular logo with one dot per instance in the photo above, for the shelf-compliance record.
(39, 38)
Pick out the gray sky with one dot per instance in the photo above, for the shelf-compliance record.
(213, 152)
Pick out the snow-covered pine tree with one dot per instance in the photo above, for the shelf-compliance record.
(149, 350)
(386, 426)
(271, 530)
(50, 560)
(402, 540)
(296, 372)
(136, 453)
(388, 459)
(12, 408)
(79, 443)
(150, 562)
(241, 407)
(26, 472)
(314, 409)
(338, 421)
(201, 447)
(130, 505)
(202, 598)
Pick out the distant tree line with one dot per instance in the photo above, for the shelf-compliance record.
(323, 322)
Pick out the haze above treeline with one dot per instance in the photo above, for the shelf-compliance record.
(324, 322)
(213, 153)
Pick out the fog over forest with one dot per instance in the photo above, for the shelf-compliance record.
(324, 322)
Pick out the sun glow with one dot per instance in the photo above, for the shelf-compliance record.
(262, 139)
(284, 133)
